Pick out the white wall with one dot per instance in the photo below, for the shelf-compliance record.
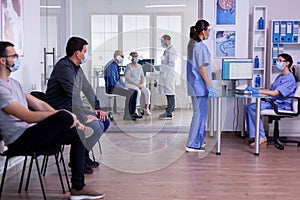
(30, 70)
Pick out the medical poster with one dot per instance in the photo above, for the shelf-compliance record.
(225, 43)
(12, 23)
(226, 12)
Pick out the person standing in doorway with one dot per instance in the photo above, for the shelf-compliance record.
(199, 82)
(167, 76)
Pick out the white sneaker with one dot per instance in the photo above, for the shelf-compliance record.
(147, 111)
(191, 149)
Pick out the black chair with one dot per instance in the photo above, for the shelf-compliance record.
(34, 154)
(276, 115)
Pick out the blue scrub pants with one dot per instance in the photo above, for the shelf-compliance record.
(250, 115)
(198, 124)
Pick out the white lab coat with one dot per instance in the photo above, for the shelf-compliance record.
(167, 76)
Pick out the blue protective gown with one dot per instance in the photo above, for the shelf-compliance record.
(198, 91)
(286, 85)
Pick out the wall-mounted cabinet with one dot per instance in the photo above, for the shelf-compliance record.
(258, 50)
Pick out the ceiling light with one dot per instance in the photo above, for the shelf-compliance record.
(55, 7)
(165, 6)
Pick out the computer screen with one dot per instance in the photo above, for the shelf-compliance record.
(237, 69)
(147, 65)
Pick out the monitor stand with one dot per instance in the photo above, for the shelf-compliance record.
(233, 85)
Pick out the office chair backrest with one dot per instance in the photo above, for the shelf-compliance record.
(295, 101)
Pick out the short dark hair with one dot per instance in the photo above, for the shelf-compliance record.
(166, 37)
(75, 44)
(3, 46)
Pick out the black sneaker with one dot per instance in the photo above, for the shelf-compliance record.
(88, 169)
(166, 116)
(129, 118)
(136, 116)
(92, 164)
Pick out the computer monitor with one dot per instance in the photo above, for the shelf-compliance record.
(147, 65)
(237, 69)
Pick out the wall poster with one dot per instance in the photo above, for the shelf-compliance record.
(12, 27)
(226, 12)
(225, 43)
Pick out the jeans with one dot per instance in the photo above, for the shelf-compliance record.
(170, 104)
(130, 102)
(54, 131)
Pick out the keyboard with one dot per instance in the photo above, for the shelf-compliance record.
(239, 91)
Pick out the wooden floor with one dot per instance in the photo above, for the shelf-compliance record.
(234, 175)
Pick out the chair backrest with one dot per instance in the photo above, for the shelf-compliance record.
(295, 101)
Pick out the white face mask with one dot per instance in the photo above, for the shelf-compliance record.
(85, 58)
(16, 65)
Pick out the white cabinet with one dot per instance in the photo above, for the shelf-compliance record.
(259, 47)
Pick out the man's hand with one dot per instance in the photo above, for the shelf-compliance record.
(101, 115)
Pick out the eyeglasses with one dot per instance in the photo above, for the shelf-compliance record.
(13, 56)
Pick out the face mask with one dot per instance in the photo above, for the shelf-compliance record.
(85, 58)
(120, 59)
(279, 65)
(16, 65)
(206, 37)
(136, 59)
(163, 45)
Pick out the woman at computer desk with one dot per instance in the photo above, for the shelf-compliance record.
(283, 86)
(135, 79)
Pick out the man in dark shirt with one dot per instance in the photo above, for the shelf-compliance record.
(64, 88)
(114, 86)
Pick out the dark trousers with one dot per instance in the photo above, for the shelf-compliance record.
(170, 104)
(130, 102)
(55, 131)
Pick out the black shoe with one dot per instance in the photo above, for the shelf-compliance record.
(136, 116)
(92, 164)
(88, 169)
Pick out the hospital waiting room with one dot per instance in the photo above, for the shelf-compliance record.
(149, 100)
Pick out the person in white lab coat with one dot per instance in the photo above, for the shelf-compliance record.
(167, 76)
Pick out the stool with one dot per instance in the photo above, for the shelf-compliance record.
(114, 97)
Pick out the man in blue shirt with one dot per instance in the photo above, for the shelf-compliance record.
(114, 85)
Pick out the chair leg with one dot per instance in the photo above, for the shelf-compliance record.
(45, 166)
(29, 173)
(65, 169)
(59, 173)
(3, 175)
(22, 175)
(100, 149)
(40, 177)
(93, 155)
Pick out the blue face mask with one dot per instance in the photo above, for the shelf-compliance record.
(136, 59)
(163, 45)
(16, 65)
(85, 58)
(120, 59)
(279, 65)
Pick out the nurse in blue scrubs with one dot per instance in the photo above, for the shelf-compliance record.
(199, 84)
(283, 86)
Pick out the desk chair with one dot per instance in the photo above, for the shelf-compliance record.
(276, 115)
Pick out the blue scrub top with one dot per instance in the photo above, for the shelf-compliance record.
(201, 57)
(286, 85)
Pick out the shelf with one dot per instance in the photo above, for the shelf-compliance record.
(259, 47)
(258, 69)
